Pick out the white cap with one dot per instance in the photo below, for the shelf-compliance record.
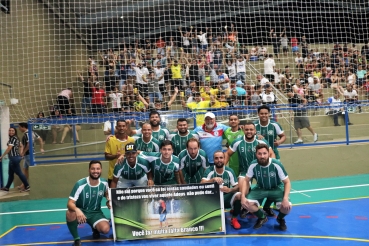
(209, 114)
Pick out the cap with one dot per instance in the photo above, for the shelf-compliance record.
(267, 85)
(131, 147)
(209, 114)
(239, 82)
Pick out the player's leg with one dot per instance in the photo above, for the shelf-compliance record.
(277, 196)
(72, 224)
(233, 200)
(98, 223)
(255, 197)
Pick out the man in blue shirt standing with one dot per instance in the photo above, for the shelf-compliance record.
(211, 136)
(240, 91)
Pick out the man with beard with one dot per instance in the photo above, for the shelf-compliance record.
(180, 138)
(164, 165)
(227, 180)
(115, 145)
(147, 142)
(134, 171)
(193, 161)
(84, 204)
(272, 183)
(211, 136)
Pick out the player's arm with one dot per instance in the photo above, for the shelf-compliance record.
(150, 180)
(244, 184)
(81, 218)
(107, 199)
(6, 151)
(287, 188)
(173, 98)
(228, 155)
(25, 149)
(271, 153)
(212, 180)
(114, 182)
(179, 176)
(109, 156)
(234, 189)
(282, 138)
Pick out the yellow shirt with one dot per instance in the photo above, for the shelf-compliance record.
(199, 107)
(176, 72)
(111, 147)
(205, 96)
(317, 74)
(218, 104)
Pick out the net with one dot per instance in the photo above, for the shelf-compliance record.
(221, 48)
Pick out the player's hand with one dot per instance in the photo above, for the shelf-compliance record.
(245, 203)
(286, 204)
(260, 137)
(150, 182)
(276, 143)
(81, 218)
(108, 204)
(225, 189)
(108, 137)
(120, 159)
(118, 155)
(218, 180)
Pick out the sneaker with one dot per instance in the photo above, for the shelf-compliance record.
(243, 213)
(4, 189)
(77, 242)
(315, 137)
(95, 234)
(28, 188)
(235, 224)
(269, 212)
(282, 224)
(337, 125)
(349, 124)
(299, 141)
(260, 222)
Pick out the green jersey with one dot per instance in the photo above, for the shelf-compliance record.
(160, 134)
(152, 146)
(231, 137)
(179, 142)
(89, 197)
(246, 152)
(270, 132)
(192, 169)
(228, 176)
(125, 171)
(163, 173)
(268, 177)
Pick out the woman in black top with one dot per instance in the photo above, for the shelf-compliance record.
(13, 151)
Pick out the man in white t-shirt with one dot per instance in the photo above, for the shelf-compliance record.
(336, 109)
(203, 40)
(141, 84)
(262, 80)
(279, 79)
(107, 127)
(351, 96)
(241, 68)
(115, 99)
(269, 65)
(159, 73)
(299, 61)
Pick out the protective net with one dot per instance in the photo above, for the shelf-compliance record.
(95, 58)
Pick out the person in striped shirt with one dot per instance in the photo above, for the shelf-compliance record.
(193, 161)
(180, 138)
(134, 171)
(273, 183)
(84, 203)
(147, 142)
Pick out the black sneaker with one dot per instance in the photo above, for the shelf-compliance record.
(282, 224)
(243, 213)
(269, 212)
(95, 234)
(260, 222)
(77, 242)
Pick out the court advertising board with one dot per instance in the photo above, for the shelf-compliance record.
(166, 211)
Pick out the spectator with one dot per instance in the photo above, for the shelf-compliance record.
(98, 98)
(214, 103)
(69, 128)
(279, 79)
(284, 42)
(159, 104)
(361, 74)
(236, 100)
(160, 72)
(115, 99)
(268, 97)
(269, 66)
(86, 99)
(175, 69)
(275, 43)
(294, 44)
(186, 41)
(299, 62)
(41, 132)
(23, 127)
(351, 96)
(64, 99)
(211, 136)
(141, 71)
(14, 151)
(336, 109)
(239, 88)
(262, 80)
(317, 88)
(160, 46)
(203, 39)
(127, 89)
(304, 47)
(107, 127)
(153, 86)
(255, 98)
(262, 52)
(241, 68)
(301, 119)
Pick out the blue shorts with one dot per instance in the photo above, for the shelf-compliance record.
(27, 161)
(163, 217)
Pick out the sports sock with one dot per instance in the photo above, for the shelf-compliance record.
(236, 208)
(281, 215)
(260, 214)
(73, 228)
(267, 203)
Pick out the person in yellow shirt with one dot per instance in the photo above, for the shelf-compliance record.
(115, 146)
(207, 91)
(195, 104)
(176, 71)
(214, 103)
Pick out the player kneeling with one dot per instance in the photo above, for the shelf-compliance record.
(272, 183)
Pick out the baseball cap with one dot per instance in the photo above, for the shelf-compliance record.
(209, 114)
(239, 82)
(131, 147)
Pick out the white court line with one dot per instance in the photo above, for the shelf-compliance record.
(292, 192)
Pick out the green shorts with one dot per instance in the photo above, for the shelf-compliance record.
(228, 199)
(94, 217)
(258, 194)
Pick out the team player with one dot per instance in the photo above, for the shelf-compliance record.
(231, 134)
(147, 142)
(179, 139)
(227, 180)
(134, 171)
(84, 204)
(211, 136)
(115, 146)
(193, 161)
(269, 130)
(164, 165)
(272, 183)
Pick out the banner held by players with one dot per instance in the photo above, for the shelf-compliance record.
(166, 211)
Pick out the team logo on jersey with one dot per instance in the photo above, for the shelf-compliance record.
(161, 137)
(272, 174)
(157, 167)
(100, 193)
(253, 149)
(270, 132)
(138, 172)
(198, 163)
(149, 149)
(225, 181)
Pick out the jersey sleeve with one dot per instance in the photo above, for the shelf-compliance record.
(107, 126)
(234, 145)
(278, 128)
(76, 191)
(204, 159)
(144, 164)
(206, 174)
(139, 131)
(12, 141)
(250, 171)
(108, 148)
(156, 144)
(232, 177)
(167, 133)
(282, 174)
(176, 163)
(118, 170)
(150, 156)
(182, 158)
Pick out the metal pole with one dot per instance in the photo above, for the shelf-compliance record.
(74, 133)
(30, 144)
(346, 125)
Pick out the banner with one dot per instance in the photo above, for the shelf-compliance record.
(166, 211)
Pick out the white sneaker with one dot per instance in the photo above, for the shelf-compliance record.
(299, 141)
(315, 137)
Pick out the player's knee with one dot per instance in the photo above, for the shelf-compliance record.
(104, 228)
(71, 215)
